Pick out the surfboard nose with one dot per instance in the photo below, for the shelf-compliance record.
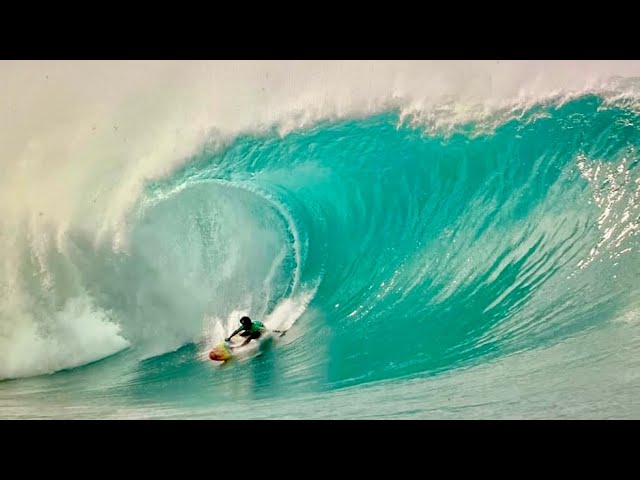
(220, 353)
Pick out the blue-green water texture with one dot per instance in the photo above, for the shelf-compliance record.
(474, 273)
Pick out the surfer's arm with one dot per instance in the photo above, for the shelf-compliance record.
(238, 330)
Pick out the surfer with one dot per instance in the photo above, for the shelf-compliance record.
(250, 329)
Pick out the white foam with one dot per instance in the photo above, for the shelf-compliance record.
(288, 311)
(79, 334)
(78, 139)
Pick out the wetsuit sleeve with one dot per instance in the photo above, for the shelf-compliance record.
(239, 329)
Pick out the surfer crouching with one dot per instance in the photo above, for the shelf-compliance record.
(251, 330)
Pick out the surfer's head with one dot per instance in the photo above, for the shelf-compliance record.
(245, 321)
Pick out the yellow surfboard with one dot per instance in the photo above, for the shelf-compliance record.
(220, 353)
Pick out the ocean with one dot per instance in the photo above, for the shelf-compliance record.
(441, 240)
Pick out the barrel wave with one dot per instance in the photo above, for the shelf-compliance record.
(487, 269)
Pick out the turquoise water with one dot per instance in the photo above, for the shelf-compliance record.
(480, 273)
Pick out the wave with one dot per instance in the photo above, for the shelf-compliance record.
(429, 214)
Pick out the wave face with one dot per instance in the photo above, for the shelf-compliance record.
(408, 244)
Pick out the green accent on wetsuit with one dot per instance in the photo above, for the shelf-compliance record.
(256, 326)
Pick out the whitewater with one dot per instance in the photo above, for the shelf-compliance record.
(440, 239)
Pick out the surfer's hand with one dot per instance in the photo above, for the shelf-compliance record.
(227, 339)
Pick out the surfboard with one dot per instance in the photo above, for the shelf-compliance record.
(223, 351)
